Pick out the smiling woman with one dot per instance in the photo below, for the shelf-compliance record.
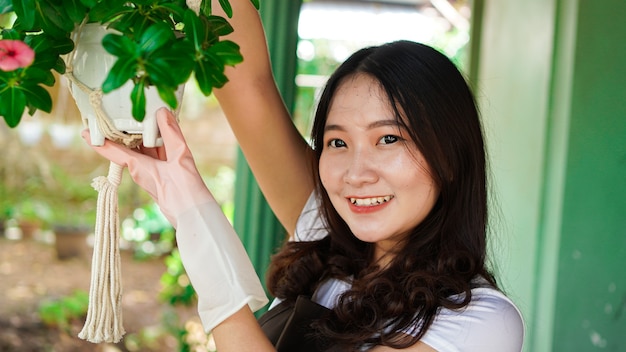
(386, 210)
(363, 166)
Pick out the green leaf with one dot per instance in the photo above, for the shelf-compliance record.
(127, 23)
(227, 51)
(63, 45)
(168, 95)
(138, 100)
(59, 66)
(46, 62)
(219, 25)
(175, 10)
(12, 105)
(105, 11)
(90, 3)
(53, 20)
(160, 73)
(48, 51)
(119, 46)
(122, 71)
(205, 8)
(227, 8)
(37, 97)
(194, 30)
(256, 4)
(76, 10)
(6, 6)
(155, 37)
(39, 43)
(36, 75)
(10, 33)
(177, 61)
(210, 74)
(27, 18)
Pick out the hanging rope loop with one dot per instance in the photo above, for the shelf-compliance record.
(104, 313)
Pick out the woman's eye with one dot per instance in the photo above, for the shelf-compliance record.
(389, 139)
(336, 143)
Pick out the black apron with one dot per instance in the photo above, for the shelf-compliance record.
(288, 326)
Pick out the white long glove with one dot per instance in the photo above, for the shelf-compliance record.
(214, 258)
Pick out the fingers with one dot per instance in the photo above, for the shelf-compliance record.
(156, 152)
(173, 139)
(114, 152)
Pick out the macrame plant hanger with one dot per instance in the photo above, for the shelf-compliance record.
(104, 313)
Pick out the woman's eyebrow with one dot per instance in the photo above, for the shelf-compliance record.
(375, 124)
(384, 123)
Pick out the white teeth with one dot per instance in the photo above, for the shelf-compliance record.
(366, 202)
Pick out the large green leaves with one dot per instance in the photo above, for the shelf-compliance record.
(120, 46)
(228, 10)
(12, 105)
(6, 6)
(211, 54)
(157, 58)
(228, 52)
(160, 44)
(15, 98)
(49, 16)
(48, 51)
(155, 37)
(209, 69)
(206, 9)
(26, 18)
(138, 101)
(37, 96)
(126, 65)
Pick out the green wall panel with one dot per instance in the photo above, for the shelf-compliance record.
(552, 87)
(591, 295)
(512, 86)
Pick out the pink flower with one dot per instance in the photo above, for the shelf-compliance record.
(15, 54)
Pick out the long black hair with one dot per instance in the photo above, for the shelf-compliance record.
(445, 253)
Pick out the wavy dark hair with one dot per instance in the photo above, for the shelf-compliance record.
(445, 253)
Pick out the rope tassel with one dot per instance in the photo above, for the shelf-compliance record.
(104, 314)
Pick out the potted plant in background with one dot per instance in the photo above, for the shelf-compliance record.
(71, 216)
(158, 43)
(32, 215)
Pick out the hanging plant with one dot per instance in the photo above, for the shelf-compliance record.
(158, 43)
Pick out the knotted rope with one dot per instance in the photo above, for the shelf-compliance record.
(104, 313)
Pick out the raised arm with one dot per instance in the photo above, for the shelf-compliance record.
(276, 152)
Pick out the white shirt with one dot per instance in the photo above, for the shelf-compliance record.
(489, 323)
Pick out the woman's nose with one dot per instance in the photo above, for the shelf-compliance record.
(360, 169)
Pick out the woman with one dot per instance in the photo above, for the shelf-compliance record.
(387, 211)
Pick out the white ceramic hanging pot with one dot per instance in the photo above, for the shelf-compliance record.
(91, 64)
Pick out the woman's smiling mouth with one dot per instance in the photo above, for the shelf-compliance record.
(368, 202)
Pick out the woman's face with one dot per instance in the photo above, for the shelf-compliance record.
(376, 178)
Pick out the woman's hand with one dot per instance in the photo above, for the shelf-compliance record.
(214, 258)
(168, 173)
